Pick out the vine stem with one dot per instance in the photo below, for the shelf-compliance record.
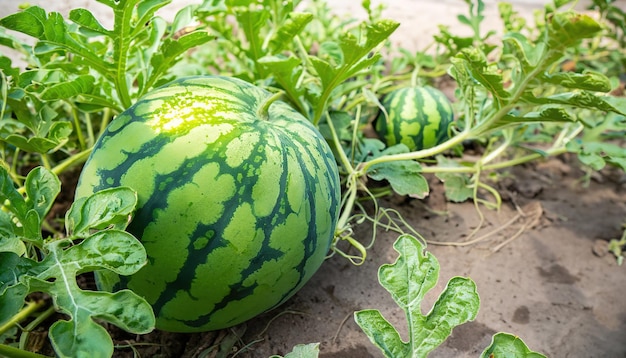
(458, 139)
(468, 133)
(264, 110)
(12, 352)
(351, 183)
(21, 315)
(75, 159)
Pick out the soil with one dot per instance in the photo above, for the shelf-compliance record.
(541, 266)
(552, 281)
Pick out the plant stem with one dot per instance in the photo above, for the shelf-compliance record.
(21, 315)
(458, 139)
(75, 159)
(79, 133)
(352, 178)
(263, 111)
(12, 352)
(123, 14)
(32, 325)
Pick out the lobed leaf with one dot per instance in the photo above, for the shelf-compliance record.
(509, 346)
(68, 89)
(580, 99)
(567, 29)
(42, 188)
(114, 250)
(458, 304)
(382, 334)
(109, 207)
(404, 176)
(408, 280)
(85, 19)
(30, 21)
(588, 80)
(457, 186)
(471, 62)
(293, 26)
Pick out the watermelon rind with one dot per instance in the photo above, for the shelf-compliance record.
(236, 208)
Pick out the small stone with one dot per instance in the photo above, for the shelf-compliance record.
(600, 248)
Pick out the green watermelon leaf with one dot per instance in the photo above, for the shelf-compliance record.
(510, 346)
(310, 350)
(87, 20)
(24, 216)
(414, 273)
(252, 20)
(67, 89)
(597, 154)
(588, 80)
(63, 259)
(458, 187)
(580, 99)
(286, 71)
(567, 29)
(115, 250)
(404, 176)
(473, 64)
(42, 188)
(355, 57)
(295, 23)
(106, 208)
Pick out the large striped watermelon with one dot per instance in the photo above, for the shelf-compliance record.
(418, 117)
(237, 203)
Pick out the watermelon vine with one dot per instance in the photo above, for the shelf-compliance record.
(250, 156)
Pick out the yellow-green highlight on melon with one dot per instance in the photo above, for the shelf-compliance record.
(238, 201)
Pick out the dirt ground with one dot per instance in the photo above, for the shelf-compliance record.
(547, 286)
(553, 284)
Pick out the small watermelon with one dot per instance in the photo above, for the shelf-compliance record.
(238, 201)
(418, 117)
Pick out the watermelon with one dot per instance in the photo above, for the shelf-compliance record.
(419, 117)
(238, 199)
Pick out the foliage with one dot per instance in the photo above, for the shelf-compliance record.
(617, 247)
(414, 273)
(310, 350)
(535, 90)
(408, 280)
(510, 346)
(58, 261)
(79, 74)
